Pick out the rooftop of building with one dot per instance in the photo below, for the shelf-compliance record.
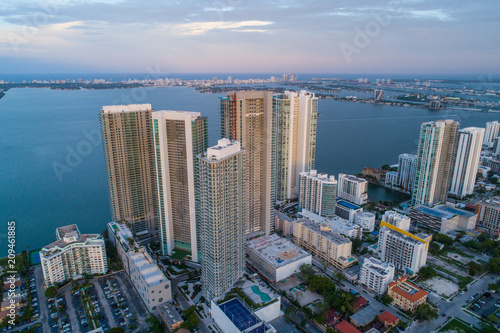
(169, 314)
(491, 202)
(407, 290)
(383, 268)
(333, 222)
(348, 204)
(173, 114)
(420, 237)
(126, 108)
(360, 302)
(345, 327)
(325, 232)
(323, 177)
(68, 229)
(388, 318)
(353, 178)
(364, 213)
(276, 251)
(68, 236)
(331, 316)
(432, 212)
(365, 316)
(239, 314)
(150, 272)
(352, 271)
(223, 149)
(123, 234)
(283, 216)
(454, 211)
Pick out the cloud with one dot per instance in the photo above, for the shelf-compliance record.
(201, 28)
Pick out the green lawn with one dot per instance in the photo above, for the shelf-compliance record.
(459, 326)
(179, 254)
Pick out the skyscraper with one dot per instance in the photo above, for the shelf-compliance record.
(318, 193)
(247, 117)
(178, 137)
(492, 128)
(407, 168)
(378, 95)
(435, 158)
(296, 121)
(127, 139)
(470, 142)
(219, 199)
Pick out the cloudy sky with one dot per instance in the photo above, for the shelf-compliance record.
(328, 36)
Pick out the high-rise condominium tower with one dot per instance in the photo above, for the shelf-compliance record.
(296, 121)
(247, 117)
(470, 142)
(435, 160)
(407, 168)
(178, 137)
(492, 128)
(318, 193)
(127, 139)
(219, 199)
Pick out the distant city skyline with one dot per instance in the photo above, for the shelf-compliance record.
(319, 36)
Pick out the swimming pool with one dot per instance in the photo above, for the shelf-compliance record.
(263, 296)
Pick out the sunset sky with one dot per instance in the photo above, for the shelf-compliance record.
(363, 36)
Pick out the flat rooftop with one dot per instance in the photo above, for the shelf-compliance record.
(454, 211)
(62, 231)
(348, 204)
(126, 108)
(433, 212)
(241, 317)
(336, 238)
(169, 314)
(276, 251)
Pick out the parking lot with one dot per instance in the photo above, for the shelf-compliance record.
(486, 305)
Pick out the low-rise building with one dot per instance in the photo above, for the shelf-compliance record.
(443, 218)
(345, 327)
(489, 215)
(320, 241)
(405, 295)
(283, 223)
(388, 319)
(276, 258)
(233, 316)
(365, 220)
(347, 210)
(352, 273)
(170, 317)
(331, 317)
(373, 172)
(147, 278)
(396, 219)
(72, 255)
(376, 275)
